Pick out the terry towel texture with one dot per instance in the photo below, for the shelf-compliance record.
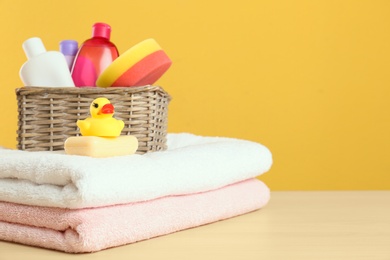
(94, 229)
(191, 164)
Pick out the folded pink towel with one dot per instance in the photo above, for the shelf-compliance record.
(94, 229)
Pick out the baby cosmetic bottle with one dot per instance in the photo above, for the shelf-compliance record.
(44, 68)
(94, 56)
(69, 48)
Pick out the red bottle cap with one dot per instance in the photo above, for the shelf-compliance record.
(101, 30)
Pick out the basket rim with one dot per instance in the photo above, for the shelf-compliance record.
(28, 90)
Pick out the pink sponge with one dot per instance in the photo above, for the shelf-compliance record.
(143, 64)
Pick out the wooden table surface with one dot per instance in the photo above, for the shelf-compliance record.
(294, 225)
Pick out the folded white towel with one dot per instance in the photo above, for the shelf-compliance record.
(191, 164)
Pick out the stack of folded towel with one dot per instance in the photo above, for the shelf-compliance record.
(81, 204)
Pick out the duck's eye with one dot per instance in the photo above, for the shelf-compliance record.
(95, 105)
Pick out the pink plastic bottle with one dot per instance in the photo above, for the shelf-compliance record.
(93, 56)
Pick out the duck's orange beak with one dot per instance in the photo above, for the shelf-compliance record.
(107, 109)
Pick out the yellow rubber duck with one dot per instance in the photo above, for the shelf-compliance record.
(101, 123)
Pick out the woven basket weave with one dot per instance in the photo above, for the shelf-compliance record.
(48, 116)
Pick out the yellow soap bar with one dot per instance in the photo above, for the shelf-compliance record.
(100, 147)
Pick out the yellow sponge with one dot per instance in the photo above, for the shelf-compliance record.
(100, 147)
(142, 64)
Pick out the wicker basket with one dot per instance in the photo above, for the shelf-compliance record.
(48, 116)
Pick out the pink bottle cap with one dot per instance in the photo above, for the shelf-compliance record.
(101, 30)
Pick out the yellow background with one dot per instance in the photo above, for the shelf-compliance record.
(309, 79)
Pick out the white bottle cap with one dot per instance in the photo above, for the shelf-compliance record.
(33, 47)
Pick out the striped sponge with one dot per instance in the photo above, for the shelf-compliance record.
(142, 64)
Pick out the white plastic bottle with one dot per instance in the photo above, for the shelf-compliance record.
(69, 49)
(44, 68)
